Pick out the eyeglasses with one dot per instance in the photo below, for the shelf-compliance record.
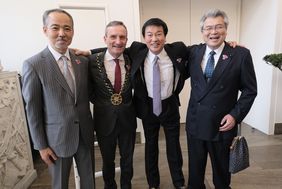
(218, 27)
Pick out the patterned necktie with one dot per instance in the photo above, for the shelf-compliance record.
(117, 84)
(210, 66)
(157, 102)
(67, 74)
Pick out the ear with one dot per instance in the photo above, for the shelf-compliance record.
(44, 30)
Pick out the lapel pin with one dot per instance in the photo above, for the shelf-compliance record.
(224, 57)
(179, 60)
(77, 61)
(127, 67)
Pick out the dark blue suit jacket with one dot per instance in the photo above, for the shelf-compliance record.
(210, 102)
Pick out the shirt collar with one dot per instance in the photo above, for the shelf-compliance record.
(217, 51)
(58, 55)
(109, 57)
(151, 56)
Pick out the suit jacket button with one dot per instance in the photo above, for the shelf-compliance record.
(76, 122)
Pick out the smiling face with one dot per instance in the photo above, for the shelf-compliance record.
(155, 38)
(116, 39)
(214, 31)
(59, 31)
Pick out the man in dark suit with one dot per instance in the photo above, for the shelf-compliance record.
(171, 63)
(172, 59)
(214, 107)
(114, 114)
(54, 87)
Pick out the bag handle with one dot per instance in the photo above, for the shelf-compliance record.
(235, 140)
(239, 129)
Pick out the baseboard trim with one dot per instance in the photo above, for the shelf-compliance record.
(278, 128)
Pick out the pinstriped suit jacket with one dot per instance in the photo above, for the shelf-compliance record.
(55, 116)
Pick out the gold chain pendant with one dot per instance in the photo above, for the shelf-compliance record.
(116, 99)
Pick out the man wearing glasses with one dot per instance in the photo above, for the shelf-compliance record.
(218, 72)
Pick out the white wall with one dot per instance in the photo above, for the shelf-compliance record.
(21, 26)
(183, 20)
(174, 13)
(256, 24)
(278, 49)
(21, 31)
(232, 9)
(22, 35)
(260, 32)
(177, 17)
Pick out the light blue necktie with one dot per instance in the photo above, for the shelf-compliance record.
(210, 66)
(157, 101)
(67, 74)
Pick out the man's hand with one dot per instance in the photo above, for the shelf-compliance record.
(232, 43)
(81, 52)
(48, 156)
(227, 123)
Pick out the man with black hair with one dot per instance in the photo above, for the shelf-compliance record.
(171, 60)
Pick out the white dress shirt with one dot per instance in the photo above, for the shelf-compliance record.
(166, 73)
(110, 66)
(60, 62)
(218, 52)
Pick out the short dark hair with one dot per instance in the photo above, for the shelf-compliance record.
(47, 12)
(154, 22)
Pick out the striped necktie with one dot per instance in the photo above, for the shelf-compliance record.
(67, 74)
(210, 66)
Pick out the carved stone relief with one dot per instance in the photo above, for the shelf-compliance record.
(16, 166)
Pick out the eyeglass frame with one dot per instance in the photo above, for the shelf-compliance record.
(217, 27)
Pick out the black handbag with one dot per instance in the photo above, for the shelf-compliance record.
(239, 155)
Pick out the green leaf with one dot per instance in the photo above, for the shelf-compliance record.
(274, 59)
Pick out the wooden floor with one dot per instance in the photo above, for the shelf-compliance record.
(265, 171)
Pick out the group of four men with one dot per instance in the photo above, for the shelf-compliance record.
(61, 124)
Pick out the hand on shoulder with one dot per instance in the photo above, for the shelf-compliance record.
(81, 52)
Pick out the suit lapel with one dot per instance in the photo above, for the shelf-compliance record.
(127, 66)
(139, 61)
(103, 72)
(176, 61)
(223, 62)
(75, 64)
(198, 66)
(53, 68)
(138, 64)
